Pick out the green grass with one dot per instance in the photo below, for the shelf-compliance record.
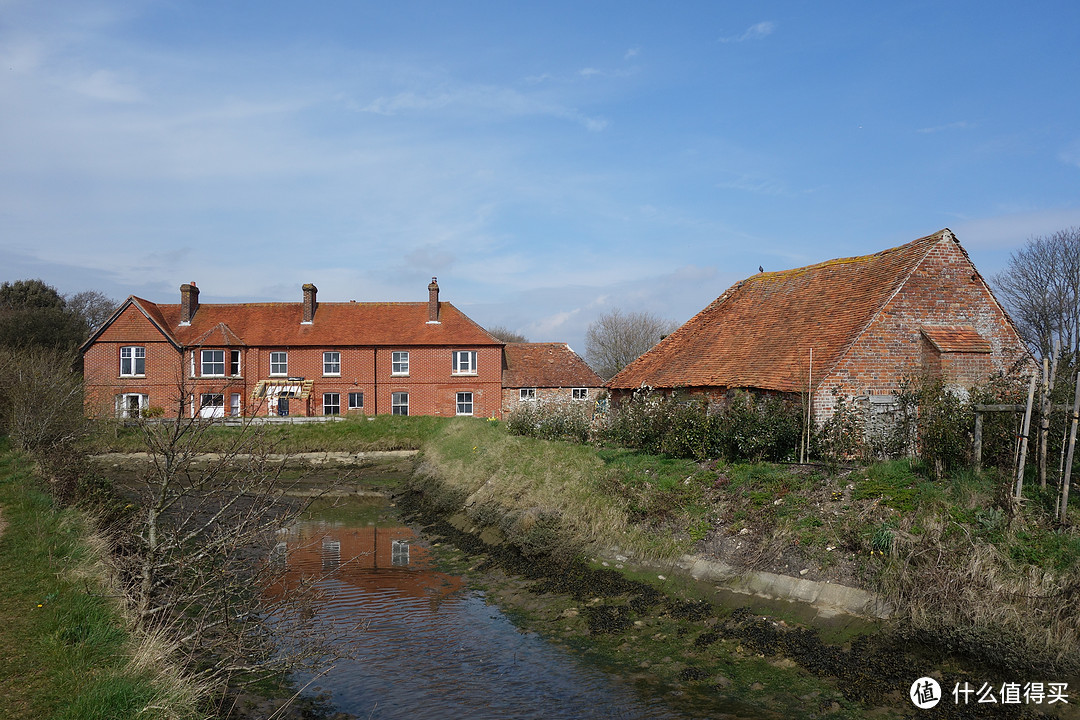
(349, 434)
(64, 652)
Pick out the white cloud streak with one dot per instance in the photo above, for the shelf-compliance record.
(758, 31)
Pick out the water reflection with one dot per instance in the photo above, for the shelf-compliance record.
(431, 647)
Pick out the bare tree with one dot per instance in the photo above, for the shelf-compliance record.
(616, 339)
(1041, 288)
(92, 307)
(205, 564)
(506, 334)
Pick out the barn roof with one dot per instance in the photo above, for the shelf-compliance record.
(759, 332)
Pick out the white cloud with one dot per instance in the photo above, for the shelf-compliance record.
(958, 125)
(1010, 231)
(757, 31)
(631, 53)
(484, 101)
(1070, 155)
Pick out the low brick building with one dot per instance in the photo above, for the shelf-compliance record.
(547, 372)
(870, 322)
(302, 358)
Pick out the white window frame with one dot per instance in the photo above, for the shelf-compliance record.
(464, 362)
(132, 355)
(234, 363)
(464, 400)
(203, 363)
(280, 359)
(399, 362)
(212, 409)
(361, 398)
(236, 407)
(331, 400)
(526, 394)
(399, 403)
(580, 393)
(122, 404)
(331, 359)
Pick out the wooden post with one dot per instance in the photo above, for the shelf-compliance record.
(978, 440)
(1045, 409)
(1063, 504)
(1024, 438)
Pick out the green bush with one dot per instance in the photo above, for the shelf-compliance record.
(745, 427)
(550, 421)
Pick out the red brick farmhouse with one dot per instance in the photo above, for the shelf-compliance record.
(302, 358)
(870, 321)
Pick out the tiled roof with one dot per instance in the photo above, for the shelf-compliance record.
(335, 323)
(546, 365)
(759, 333)
(956, 339)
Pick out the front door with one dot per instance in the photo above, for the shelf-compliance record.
(133, 406)
(283, 406)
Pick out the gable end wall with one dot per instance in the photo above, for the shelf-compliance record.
(943, 290)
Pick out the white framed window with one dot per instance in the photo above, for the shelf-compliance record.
(331, 404)
(234, 363)
(212, 363)
(279, 363)
(234, 405)
(526, 394)
(132, 361)
(399, 362)
(212, 405)
(581, 393)
(131, 405)
(464, 362)
(356, 400)
(331, 362)
(399, 403)
(464, 403)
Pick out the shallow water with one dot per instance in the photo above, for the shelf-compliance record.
(433, 648)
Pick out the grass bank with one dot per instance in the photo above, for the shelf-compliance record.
(64, 652)
(966, 570)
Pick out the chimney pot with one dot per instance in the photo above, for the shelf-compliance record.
(433, 301)
(189, 302)
(309, 303)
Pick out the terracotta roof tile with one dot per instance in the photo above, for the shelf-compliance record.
(957, 339)
(546, 365)
(335, 323)
(759, 332)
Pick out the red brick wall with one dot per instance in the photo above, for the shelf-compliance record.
(431, 383)
(943, 290)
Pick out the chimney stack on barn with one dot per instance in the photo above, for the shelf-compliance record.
(433, 301)
(309, 303)
(189, 302)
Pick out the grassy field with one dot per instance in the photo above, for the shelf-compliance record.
(64, 652)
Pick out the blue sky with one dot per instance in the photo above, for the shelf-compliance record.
(547, 161)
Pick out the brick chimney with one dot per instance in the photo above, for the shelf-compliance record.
(433, 301)
(189, 302)
(309, 303)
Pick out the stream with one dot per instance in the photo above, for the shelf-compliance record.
(433, 648)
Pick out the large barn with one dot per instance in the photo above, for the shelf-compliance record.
(867, 322)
